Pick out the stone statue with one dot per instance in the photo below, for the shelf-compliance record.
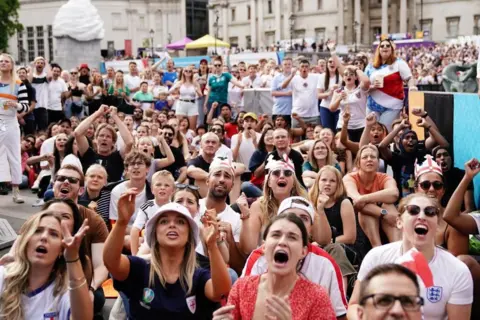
(460, 78)
(78, 30)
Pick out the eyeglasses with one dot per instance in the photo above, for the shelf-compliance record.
(183, 186)
(386, 301)
(349, 74)
(385, 46)
(72, 180)
(216, 130)
(429, 211)
(287, 173)
(437, 185)
(217, 65)
(137, 164)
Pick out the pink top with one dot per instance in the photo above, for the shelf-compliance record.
(307, 300)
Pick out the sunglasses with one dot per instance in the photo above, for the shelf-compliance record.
(349, 74)
(187, 71)
(429, 211)
(216, 130)
(217, 65)
(72, 180)
(73, 73)
(182, 186)
(385, 46)
(437, 185)
(168, 134)
(286, 173)
(242, 70)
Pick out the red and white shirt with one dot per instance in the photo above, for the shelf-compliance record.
(318, 267)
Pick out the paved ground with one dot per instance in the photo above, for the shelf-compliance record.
(16, 214)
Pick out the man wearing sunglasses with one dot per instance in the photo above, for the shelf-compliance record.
(178, 169)
(390, 291)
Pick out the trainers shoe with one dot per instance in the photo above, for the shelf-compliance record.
(16, 197)
(38, 203)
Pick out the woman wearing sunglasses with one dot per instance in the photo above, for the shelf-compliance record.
(429, 180)
(450, 294)
(218, 86)
(387, 73)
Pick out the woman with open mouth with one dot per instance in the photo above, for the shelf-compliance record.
(170, 285)
(279, 293)
(47, 263)
(429, 180)
(447, 285)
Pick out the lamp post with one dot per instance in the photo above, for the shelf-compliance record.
(169, 38)
(414, 31)
(152, 33)
(215, 25)
(356, 25)
(292, 24)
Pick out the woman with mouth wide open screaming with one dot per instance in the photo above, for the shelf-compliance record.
(280, 293)
(447, 285)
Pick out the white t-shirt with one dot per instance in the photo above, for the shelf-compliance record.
(357, 102)
(46, 148)
(304, 95)
(476, 217)
(55, 90)
(249, 83)
(321, 85)
(132, 82)
(452, 280)
(145, 213)
(115, 195)
(41, 304)
(235, 95)
(246, 150)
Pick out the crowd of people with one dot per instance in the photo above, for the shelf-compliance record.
(166, 183)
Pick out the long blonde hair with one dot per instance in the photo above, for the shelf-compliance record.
(17, 272)
(187, 268)
(329, 160)
(13, 75)
(269, 204)
(315, 191)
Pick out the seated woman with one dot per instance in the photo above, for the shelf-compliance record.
(280, 293)
(319, 156)
(327, 136)
(170, 284)
(429, 180)
(373, 194)
(47, 263)
(419, 221)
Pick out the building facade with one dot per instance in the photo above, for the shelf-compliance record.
(171, 20)
(261, 23)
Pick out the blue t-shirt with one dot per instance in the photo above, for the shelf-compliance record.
(161, 105)
(169, 76)
(281, 105)
(166, 303)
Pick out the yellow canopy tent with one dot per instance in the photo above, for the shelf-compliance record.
(206, 41)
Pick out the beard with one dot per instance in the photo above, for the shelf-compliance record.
(219, 194)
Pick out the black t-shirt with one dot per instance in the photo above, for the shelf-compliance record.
(452, 179)
(198, 162)
(175, 167)
(334, 217)
(297, 160)
(113, 163)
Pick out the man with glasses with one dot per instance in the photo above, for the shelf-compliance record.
(178, 169)
(282, 97)
(390, 291)
(304, 94)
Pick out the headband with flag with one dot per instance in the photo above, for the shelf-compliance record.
(285, 164)
(429, 165)
(221, 163)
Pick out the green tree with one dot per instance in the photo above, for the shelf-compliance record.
(9, 24)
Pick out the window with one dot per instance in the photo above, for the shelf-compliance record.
(234, 41)
(39, 31)
(158, 20)
(452, 27)
(249, 42)
(476, 25)
(116, 19)
(249, 12)
(30, 33)
(50, 43)
(233, 15)
(319, 4)
(49, 30)
(319, 34)
(270, 37)
(40, 47)
(270, 9)
(299, 34)
(141, 21)
(426, 27)
(20, 45)
(31, 49)
(300, 5)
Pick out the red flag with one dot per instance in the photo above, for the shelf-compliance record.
(416, 262)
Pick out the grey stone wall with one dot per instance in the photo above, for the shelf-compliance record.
(70, 53)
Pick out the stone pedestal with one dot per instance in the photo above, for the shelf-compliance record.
(70, 53)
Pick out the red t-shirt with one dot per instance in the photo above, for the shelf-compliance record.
(230, 129)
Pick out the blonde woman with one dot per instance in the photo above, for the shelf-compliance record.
(47, 263)
(319, 155)
(118, 88)
(13, 100)
(188, 89)
(170, 284)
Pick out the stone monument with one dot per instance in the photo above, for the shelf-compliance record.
(78, 31)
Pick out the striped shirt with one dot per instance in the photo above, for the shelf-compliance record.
(18, 94)
(40, 83)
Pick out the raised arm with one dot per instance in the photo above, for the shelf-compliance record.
(435, 137)
(452, 214)
(162, 163)
(79, 133)
(126, 135)
(251, 228)
(370, 120)
(211, 112)
(350, 145)
(286, 82)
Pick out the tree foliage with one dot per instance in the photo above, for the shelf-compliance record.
(9, 24)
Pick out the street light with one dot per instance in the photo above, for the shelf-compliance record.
(215, 25)
(152, 33)
(292, 24)
(169, 38)
(414, 31)
(356, 25)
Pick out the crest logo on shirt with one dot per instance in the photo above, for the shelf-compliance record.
(192, 304)
(434, 294)
(148, 295)
(52, 315)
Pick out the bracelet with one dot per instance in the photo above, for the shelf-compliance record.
(80, 285)
(425, 115)
(72, 261)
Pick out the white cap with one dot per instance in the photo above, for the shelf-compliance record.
(169, 207)
(298, 203)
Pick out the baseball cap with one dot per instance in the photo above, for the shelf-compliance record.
(169, 207)
(251, 115)
(84, 66)
(298, 203)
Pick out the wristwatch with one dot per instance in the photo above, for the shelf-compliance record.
(383, 213)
